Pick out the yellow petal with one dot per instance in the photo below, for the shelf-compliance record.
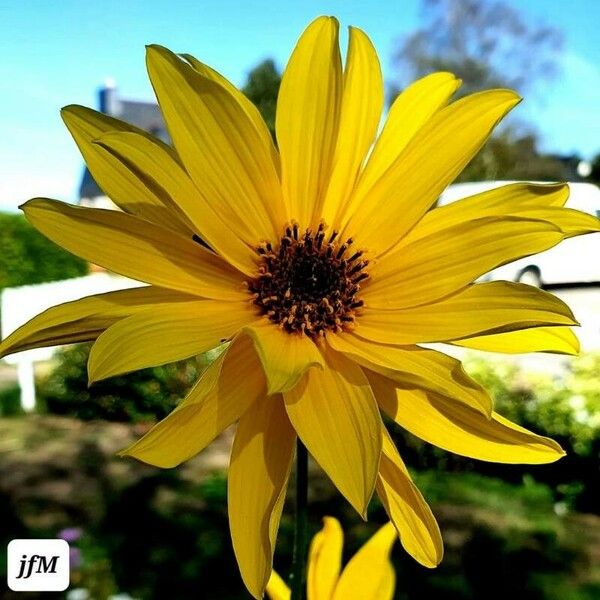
(409, 112)
(480, 309)
(324, 560)
(164, 334)
(509, 199)
(307, 118)
(370, 575)
(442, 263)
(362, 102)
(247, 105)
(456, 428)
(277, 589)
(219, 147)
(414, 367)
(418, 530)
(142, 155)
(334, 413)
(570, 222)
(525, 200)
(129, 189)
(560, 340)
(228, 387)
(285, 357)
(260, 464)
(83, 320)
(136, 248)
(431, 160)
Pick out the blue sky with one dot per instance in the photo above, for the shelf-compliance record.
(58, 53)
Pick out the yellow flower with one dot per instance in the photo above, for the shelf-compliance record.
(368, 576)
(323, 269)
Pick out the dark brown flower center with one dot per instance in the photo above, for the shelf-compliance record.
(309, 284)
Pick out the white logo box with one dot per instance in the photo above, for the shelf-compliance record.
(38, 565)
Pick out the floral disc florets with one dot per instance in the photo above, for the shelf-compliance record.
(309, 284)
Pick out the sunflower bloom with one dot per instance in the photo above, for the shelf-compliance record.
(320, 268)
(368, 576)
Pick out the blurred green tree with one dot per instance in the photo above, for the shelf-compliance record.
(487, 44)
(513, 155)
(262, 87)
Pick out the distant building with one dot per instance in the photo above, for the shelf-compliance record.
(20, 304)
(145, 115)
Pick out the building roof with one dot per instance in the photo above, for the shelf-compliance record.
(145, 115)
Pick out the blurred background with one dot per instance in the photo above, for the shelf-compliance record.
(139, 532)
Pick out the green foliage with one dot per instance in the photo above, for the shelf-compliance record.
(509, 155)
(140, 396)
(528, 500)
(565, 407)
(27, 257)
(10, 401)
(157, 534)
(262, 87)
(167, 538)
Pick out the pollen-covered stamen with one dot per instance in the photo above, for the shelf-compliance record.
(307, 283)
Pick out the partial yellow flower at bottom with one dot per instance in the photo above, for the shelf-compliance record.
(368, 576)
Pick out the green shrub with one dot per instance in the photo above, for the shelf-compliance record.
(10, 401)
(565, 407)
(27, 257)
(140, 396)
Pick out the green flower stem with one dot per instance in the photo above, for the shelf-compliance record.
(298, 578)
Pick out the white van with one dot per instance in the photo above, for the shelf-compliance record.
(573, 261)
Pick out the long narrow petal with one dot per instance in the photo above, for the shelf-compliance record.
(228, 387)
(325, 560)
(83, 320)
(414, 367)
(571, 222)
(418, 530)
(307, 118)
(261, 459)
(526, 200)
(247, 105)
(163, 334)
(559, 340)
(140, 154)
(501, 201)
(129, 189)
(277, 588)
(433, 158)
(219, 146)
(480, 309)
(362, 103)
(285, 357)
(136, 248)
(442, 263)
(336, 416)
(408, 113)
(370, 575)
(456, 428)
